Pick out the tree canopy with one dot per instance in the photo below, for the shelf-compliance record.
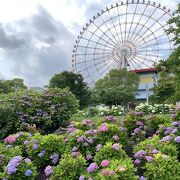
(7, 86)
(75, 83)
(169, 82)
(118, 87)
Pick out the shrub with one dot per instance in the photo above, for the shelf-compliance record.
(155, 143)
(46, 149)
(118, 169)
(19, 168)
(69, 168)
(9, 122)
(110, 151)
(45, 110)
(163, 167)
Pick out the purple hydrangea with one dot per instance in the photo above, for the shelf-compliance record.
(28, 172)
(174, 131)
(98, 147)
(54, 158)
(35, 141)
(90, 141)
(26, 142)
(85, 144)
(90, 132)
(139, 123)
(48, 170)
(13, 164)
(155, 151)
(116, 146)
(92, 167)
(137, 130)
(27, 160)
(166, 138)
(89, 157)
(137, 162)
(140, 154)
(82, 177)
(123, 129)
(87, 122)
(115, 138)
(149, 158)
(142, 178)
(176, 123)
(74, 149)
(75, 154)
(104, 172)
(173, 116)
(177, 139)
(103, 128)
(35, 146)
(81, 139)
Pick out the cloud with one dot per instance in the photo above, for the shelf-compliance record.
(41, 47)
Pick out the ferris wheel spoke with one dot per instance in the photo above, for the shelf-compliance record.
(154, 50)
(119, 41)
(132, 21)
(132, 62)
(120, 28)
(115, 44)
(95, 48)
(99, 37)
(153, 25)
(139, 21)
(147, 55)
(149, 17)
(142, 61)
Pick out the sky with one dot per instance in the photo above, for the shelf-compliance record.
(37, 36)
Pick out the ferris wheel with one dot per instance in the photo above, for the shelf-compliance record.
(129, 34)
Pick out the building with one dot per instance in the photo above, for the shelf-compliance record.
(148, 79)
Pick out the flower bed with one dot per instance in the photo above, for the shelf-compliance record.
(129, 149)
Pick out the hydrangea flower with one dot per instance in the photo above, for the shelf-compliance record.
(85, 144)
(137, 162)
(90, 132)
(177, 139)
(103, 128)
(123, 129)
(13, 164)
(98, 147)
(166, 138)
(140, 154)
(26, 142)
(104, 172)
(54, 158)
(176, 123)
(137, 130)
(89, 157)
(105, 163)
(90, 141)
(111, 172)
(121, 168)
(27, 160)
(9, 146)
(149, 158)
(115, 138)
(74, 149)
(116, 146)
(10, 139)
(87, 122)
(35, 146)
(48, 170)
(75, 154)
(28, 173)
(80, 139)
(142, 178)
(154, 151)
(82, 177)
(92, 167)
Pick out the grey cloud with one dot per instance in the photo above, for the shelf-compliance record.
(47, 48)
(9, 41)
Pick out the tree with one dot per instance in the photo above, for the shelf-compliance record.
(7, 86)
(75, 83)
(118, 87)
(169, 84)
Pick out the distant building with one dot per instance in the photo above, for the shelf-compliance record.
(148, 79)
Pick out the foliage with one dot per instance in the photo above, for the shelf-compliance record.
(7, 86)
(9, 122)
(46, 110)
(75, 83)
(110, 151)
(46, 149)
(163, 167)
(69, 168)
(117, 87)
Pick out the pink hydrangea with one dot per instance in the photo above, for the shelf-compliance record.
(10, 139)
(104, 172)
(48, 170)
(111, 172)
(105, 163)
(116, 147)
(103, 128)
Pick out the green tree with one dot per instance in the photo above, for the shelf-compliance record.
(7, 86)
(169, 84)
(118, 87)
(75, 83)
